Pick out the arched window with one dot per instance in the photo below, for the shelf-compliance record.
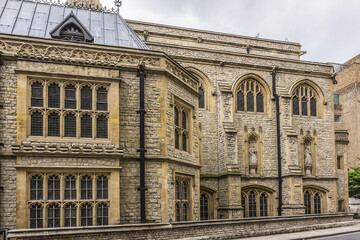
(53, 96)
(53, 188)
(70, 97)
(54, 125)
(185, 212)
(201, 97)
(86, 213)
(304, 101)
(204, 207)
(101, 127)
(36, 124)
(312, 201)
(177, 190)
(317, 204)
(86, 126)
(102, 214)
(307, 202)
(101, 99)
(36, 216)
(53, 216)
(183, 119)
(37, 99)
(86, 98)
(256, 202)
(181, 131)
(263, 205)
(86, 187)
(177, 139)
(70, 125)
(184, 141)
(184, 190)
(177, 212)
(176, 116)
(70, 215)
(36, 188)
(70, 187)
(102, 187)
(181, 198)
(252, 204)
(250, 96)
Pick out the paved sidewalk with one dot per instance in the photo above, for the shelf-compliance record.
(310, 234)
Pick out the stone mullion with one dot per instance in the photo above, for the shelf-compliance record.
(62, 197)
(78, 193)
(93, 179)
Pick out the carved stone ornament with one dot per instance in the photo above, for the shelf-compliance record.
(253, 159)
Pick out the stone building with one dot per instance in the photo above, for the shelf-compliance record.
(222, 113)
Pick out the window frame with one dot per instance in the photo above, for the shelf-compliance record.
(310, 94)
(181, 202)
(184, 134)
(258, 209)
(250, 86)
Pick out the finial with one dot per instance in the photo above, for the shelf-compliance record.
(118, 4)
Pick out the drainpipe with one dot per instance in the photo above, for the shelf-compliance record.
(276, 96)
(142, 150)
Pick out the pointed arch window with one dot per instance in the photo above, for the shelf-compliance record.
(70, 187)
(54, 96)
(53, 188)
(313, 201)
(54, 125)
(102, 187)
(252, 204)
(86, 187)
(86, 215)
(36, 188)
(263, 205)
(70, 97)
(86, 126)
(36, 216)
(250, 96)
(70, 215)
(53, 216)
(204, 207)
(201, 97)
(70, 125)
(36, 124)
(317, 204)
(304, 101)
(86, 98)
(181, 128)
(307, 202)
(102, 127)
(256, 202)
(182, 198)
(102, 214)
(37, 99)
(101, 99)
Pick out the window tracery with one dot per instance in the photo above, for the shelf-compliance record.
(181, 121)
(304, 101)
(182, 199)
(313, 200)
(256, 202)
(250, 96)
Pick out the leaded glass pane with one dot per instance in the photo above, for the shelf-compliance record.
(102, 187)
(201, 98)
(86, 215)
(304, 106)
(259, 103)
(177, 138)
(37, 95)
(54, 125)
(70, 97)
(183, 119)
(36, 216)
(102, 127)
(70, 125)
(317, 204)
(53, 216)
(54, 96)
(313, 107)
(86, 187)
(70, 216)
(176, 117)
(204, 208)
(240, 101)
(101, 99)
(54, 188)
(307, 203)
(252, 204)
(295, 102)
(184, 191)
(177, 212)
(177, 190)
(70, 187)
(184, 142)
(86, 98)
(185, 212)
(36, 188)
(250, 102)
(263, 205)
(243, 203)
(36, 124)
(86, 126)
(102, 215)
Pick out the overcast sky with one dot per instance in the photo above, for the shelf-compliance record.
(327, 29)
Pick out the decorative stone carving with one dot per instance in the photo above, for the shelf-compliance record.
(308, 157)
(253, 160)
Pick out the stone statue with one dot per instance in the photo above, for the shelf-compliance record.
(307, 156)
(252, 155)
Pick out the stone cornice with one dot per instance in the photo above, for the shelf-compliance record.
(66, 52)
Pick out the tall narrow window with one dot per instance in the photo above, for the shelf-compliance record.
(243, 204)
(177, 139)
(70, 187)
(53, 216)
(252, 204)
(183, 120)
(177, 212)
(86, 98)
(204, 207)
(101, 99)
(101, 127)
(102, 214)
(263, 205)
(240, 101)
(181, 129)
(184, 190)
(250, 96)
(182, 198)
(36, 216)
(176, 117)
(312, 107)
(307, 202)
(177, 190)
(70, 97)
(102, 187)
(304, 101)
(184, 142)
(295, 102)
(250, 102)
(53, 96)
(185, 212)
(201, 98)
(336, 99)
(304, 106)
(86, 187)
(70, 125)
(53, 188)
(317, 204)
(36, 188)
(259, 103)
(86, 215)
(86, 126)
(70, 215)
(36, 124)
(37, 99)
(54, 125)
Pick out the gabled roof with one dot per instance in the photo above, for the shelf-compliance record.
(37, 18)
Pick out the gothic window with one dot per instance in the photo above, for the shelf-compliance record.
(304, 101)
(86, 212)
(53, 188)
(70, 125)
(185, 212)
(54, 96)
(312, 201)
(250, 96)
(177, 212)
(184, 190)
(181, 130)
(204, 207)
(36, 188)
(101, 127)
(102, 187)
(317, 204)
(184, 142)
(86, 187)
(101, 99)
(36, 216)
(86, 126)
(102, 214)
(177, 190)
(201, 97)
(263, 205)
(70, 187)
(256, 202)
(86, 98)
(181, 199)
(70, 215)
(37, 95)
(53, 125)
(176, 117)
(307, 202)
(53, 216)
(252, 204)
(36, 124)
(243, 204)
(70, 97)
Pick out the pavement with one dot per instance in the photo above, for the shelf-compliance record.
(348, 232)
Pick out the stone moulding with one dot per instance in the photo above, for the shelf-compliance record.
(59, 51)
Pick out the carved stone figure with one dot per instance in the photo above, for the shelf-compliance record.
(252, 155)
(308, 156)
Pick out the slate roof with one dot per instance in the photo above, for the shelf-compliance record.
(37, 18)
